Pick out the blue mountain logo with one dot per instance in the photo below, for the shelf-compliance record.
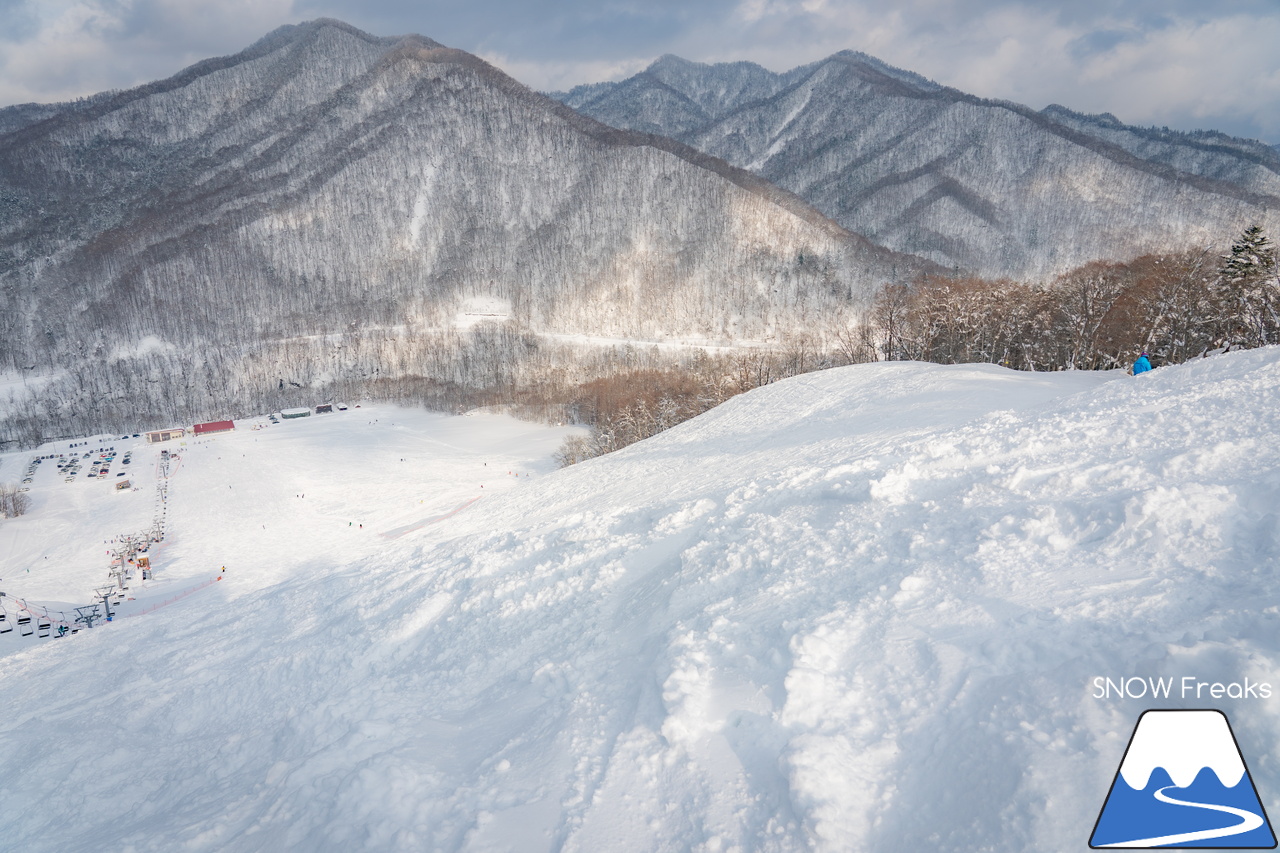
(1183, 783)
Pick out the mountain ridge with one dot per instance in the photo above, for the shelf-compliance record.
(327, 182)
(878, 148)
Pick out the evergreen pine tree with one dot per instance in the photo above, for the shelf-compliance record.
(1251, 257)
(1245, 306)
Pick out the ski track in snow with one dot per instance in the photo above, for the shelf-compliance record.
(811, 619)
(418, 525)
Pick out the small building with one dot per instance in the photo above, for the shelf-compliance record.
(214, 427)
(123, 486)
(158, 435)
(295, 413)
(324, 408)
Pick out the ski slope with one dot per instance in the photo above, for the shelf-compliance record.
(266, 501)
(855, 610)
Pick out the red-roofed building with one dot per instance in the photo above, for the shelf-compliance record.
(214, 426)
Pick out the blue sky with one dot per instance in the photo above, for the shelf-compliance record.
(1203, 64)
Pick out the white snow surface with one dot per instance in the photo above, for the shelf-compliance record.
(855, 610)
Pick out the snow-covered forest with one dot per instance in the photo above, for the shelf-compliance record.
(321, 210)
(1175, 307)
(987, 188)
(320, 215)
(1099, 317)
(209, 246)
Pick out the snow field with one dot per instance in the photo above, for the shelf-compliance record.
(57, 553)
(855, 610)
(259, 501)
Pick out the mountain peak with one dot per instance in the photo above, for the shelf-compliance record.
(930, 170)
(911, 78)
(671, 61)
(290, 35)
(1058, 111)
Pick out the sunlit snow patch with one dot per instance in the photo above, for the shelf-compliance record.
(478, 309)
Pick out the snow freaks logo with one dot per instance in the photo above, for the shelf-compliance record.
(1187, 687)
(1182, 783)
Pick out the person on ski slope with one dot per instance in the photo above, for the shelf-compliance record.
(1142, 365)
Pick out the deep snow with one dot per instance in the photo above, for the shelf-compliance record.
(856, 610)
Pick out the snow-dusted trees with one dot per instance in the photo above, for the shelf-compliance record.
(1247, 295)
(1099, 316)
(13, 502)
(1086, 304)
(1252, 256)
(951, 321)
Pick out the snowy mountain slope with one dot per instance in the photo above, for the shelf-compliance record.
(855, 610)
(295, 492)
(989, 186)
(673, 95)
(326, 181)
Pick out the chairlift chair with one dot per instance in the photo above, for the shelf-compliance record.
(24, 625)
(44, 627)
(5, 627)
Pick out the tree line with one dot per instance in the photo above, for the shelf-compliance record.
(1100, 316)
(1174, 306)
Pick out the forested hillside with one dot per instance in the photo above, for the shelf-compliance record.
(982, 187)
(324, 207)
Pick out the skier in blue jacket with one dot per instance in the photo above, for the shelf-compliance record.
(1142, 365)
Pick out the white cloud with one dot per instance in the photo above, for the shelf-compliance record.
(85, 46)
(750, 11)
(1225, 68)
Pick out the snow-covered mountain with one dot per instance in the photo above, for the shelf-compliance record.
(325, 181)
(861, 609)
(990, 187)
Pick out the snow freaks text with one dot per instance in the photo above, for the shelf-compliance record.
(1186, 687)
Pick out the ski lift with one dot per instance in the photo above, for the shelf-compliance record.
(5, 627)
(24, 625)
(44, 627)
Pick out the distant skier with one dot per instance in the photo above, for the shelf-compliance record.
(1142, 365)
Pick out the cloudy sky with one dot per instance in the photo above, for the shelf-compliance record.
(1186, 64)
